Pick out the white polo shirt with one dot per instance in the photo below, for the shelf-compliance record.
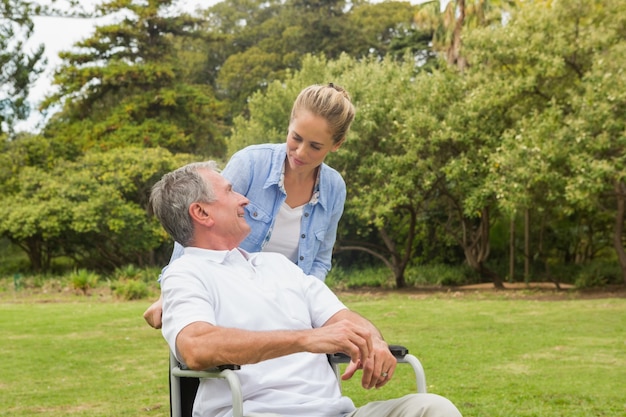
(260, 291)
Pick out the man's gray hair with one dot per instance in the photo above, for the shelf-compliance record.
(171, 197)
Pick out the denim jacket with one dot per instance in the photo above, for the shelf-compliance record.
(256, 172)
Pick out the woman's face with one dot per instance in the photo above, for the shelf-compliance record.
(309, 140)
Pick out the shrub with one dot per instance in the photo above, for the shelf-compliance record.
(440, 275)
(133, 283)
(83, 280)
(342, 278)
(150, 276)
(598, 274)
(132, 290)
(128, 272)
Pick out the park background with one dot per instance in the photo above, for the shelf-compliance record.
(488, 144)
(488, 150)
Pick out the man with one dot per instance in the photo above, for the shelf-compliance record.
(223, 305)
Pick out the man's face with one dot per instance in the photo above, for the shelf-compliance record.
(228, 210)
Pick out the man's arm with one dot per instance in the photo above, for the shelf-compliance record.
(203, 345)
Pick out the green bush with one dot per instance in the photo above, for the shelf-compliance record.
(134, 283)
(132, 290)
(83, 280)
(12, 259)
(128, 272)
(342, 278)
(416, 276)
(598, 274)
(440, 275)
(149, 275)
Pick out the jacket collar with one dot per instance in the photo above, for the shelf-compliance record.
(277, 174)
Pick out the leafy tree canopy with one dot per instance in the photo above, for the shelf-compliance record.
(92, 210)
(260, 42)
(127, 85)
(19, 67)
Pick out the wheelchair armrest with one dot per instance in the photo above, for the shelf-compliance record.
(226, 372)
(398, 351)
(401, 354)
(219, 368)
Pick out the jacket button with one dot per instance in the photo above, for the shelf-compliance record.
(255, 214)
(302, 235)
(302, 258)
(306, 214)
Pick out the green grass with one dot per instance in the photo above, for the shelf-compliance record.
(84, 358)
(491, 354)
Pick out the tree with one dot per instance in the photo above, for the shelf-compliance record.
(263, 41)
(542, 72)
(375, 28)
(18, 67)
(126, 85)
(452, 136)
(92, 211)
(446, 24)
(598, 128)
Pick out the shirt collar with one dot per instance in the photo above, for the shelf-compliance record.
(217, 256)
(220, 256)
(278, 166)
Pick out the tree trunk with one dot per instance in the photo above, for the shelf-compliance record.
(454, 50)
(33, 248)
(396, 269)
(512, 249)
(620, 217)
(395, 259)
(527, 245)
(475, 245)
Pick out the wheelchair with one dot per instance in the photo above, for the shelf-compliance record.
(184, 382)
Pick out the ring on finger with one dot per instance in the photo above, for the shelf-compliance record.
(384, 374)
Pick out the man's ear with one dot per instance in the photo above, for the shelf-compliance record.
(200, 214)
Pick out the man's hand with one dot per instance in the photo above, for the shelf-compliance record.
(378, 368)
(153, 315)
(343, 336)
(358, 338)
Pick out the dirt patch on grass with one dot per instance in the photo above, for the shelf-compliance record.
(549, 290)
(546, 291)
(518, 286)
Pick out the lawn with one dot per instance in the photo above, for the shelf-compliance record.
(493, 354)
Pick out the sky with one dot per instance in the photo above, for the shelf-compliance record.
(59, 34)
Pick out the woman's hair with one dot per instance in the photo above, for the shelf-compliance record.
(172, 195)
(331, 102)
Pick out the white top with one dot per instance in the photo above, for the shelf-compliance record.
(285, 236)
(261, 291)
